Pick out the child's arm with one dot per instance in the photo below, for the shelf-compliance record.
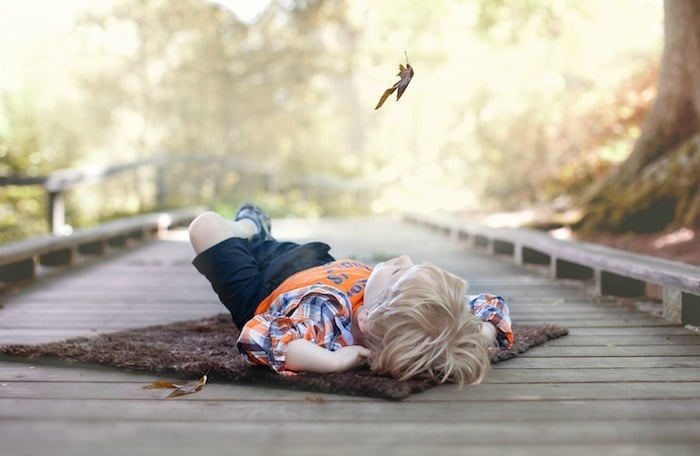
(281, 339)
(303, 355)
(494, 312)
(490, 331)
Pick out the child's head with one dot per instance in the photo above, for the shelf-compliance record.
(419, 325)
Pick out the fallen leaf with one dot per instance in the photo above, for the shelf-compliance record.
(405, 75)
(317, 399)
(188, 388)
(162, 384)
(179, 389)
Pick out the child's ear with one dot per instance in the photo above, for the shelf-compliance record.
(362, 319)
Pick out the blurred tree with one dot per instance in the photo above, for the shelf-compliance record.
(592, 140)
(226, 99)
(514, 102)
(659, 184)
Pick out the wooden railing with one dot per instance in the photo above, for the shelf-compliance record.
(19, 261)
(613, 271)
(58, 182)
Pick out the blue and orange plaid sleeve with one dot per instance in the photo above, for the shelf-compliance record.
(493, 309)
(312, 314)
(264, 339)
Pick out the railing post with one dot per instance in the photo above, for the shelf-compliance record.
(57, 212)
(161, 186)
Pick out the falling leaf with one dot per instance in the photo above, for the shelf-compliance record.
(179, 389)
(405, 75)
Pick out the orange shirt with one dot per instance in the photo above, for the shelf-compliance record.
(347, 276)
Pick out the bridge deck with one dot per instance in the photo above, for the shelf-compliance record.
(622, 382)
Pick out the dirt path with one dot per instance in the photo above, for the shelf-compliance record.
(679, 245)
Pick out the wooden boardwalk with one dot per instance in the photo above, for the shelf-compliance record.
(623, 381)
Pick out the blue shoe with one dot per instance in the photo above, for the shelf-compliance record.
(259, 217)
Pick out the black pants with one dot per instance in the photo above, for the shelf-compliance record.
(243, 272)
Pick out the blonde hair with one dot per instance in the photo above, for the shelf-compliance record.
(423, 328)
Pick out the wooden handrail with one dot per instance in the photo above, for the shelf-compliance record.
(21, 180)
(18, 260)
(64, 179)
(57, 182)
(614, 272)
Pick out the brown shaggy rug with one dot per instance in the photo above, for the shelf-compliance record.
(193, 348)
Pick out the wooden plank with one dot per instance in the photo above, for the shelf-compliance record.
(576, 340)
(131, 389)
(134, 311)
(551, 362)
(92, 386)
(134, 317)
(40, 339)
(61, 371)
(150, 405)
(118, 295)
(642, 320)
(86, 308)
(100, 325)
(640, 331)
(578, 369)
(159, 436)
(622, 375)
(669, 351)
(619, 324)
(9, 336)
(581, 310)
(507, 392)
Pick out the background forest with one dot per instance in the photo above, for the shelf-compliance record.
(514, 104)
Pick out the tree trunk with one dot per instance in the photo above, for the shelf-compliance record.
(626, 199)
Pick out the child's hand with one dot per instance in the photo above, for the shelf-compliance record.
(489, 331)
(303, 355)
(350, 357)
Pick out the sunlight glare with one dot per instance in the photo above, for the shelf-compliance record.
(247, 11)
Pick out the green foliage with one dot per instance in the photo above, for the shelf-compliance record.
(22, 213)
(33, 141)
(601, 135)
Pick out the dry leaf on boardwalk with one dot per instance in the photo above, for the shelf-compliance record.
(179, 389)
(405, 75)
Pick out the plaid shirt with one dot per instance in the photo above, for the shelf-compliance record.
(322, 314)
